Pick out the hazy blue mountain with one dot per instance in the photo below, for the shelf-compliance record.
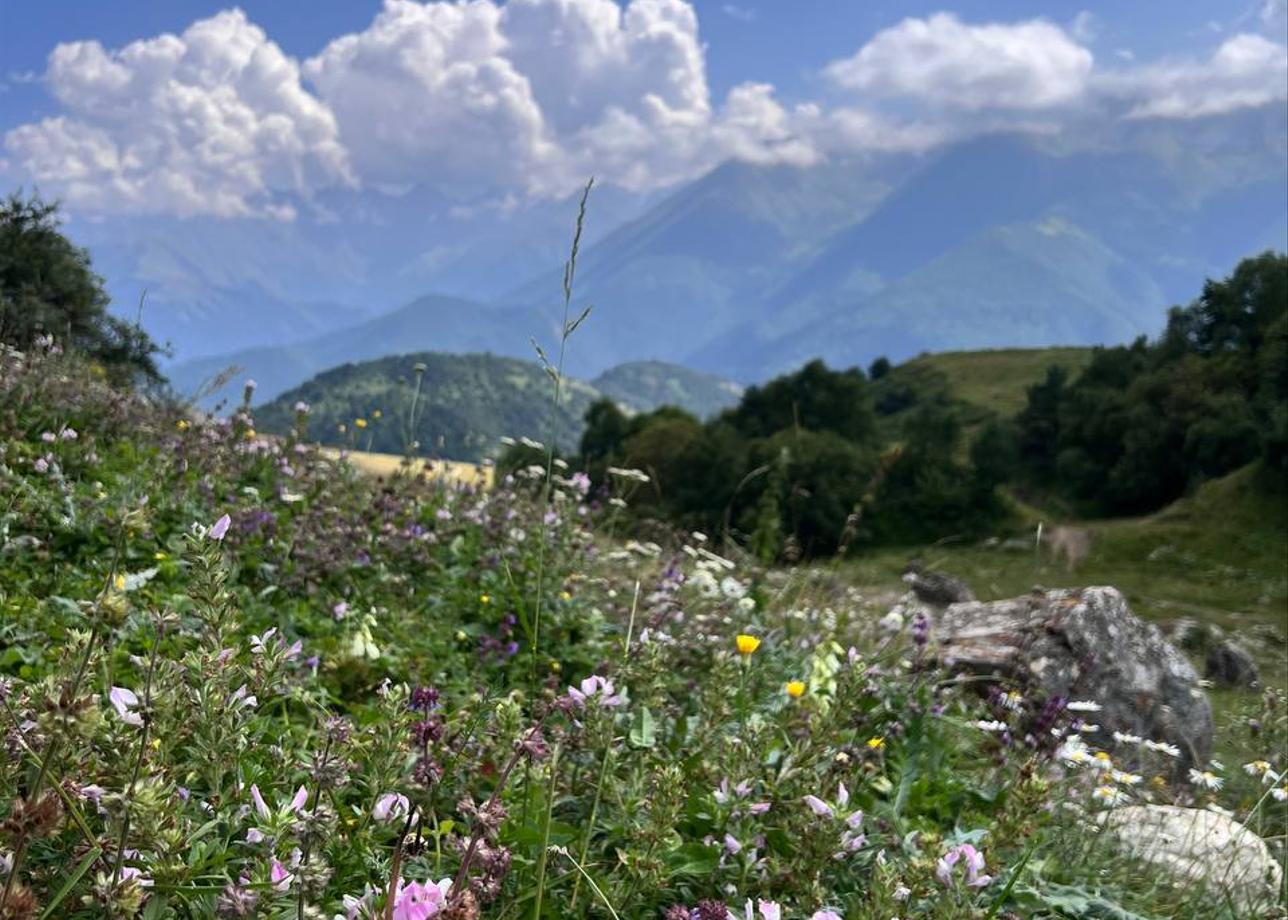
(644, 385)
(468, 402)
(1004, 240)
(434, 322)
(690, 268)
(216, 286)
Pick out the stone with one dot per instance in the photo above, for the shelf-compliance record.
(1086, 644)
(1195, 845)
(937, 588)
(1230, 665)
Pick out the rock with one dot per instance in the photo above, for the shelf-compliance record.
(1196, 845)
(1190, 634)
(938, 588)
(1230, 665)
(1086, 644)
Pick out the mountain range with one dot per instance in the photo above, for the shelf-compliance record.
(464, 404)
(1003, 240)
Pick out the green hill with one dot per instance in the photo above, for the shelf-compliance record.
(467, 403)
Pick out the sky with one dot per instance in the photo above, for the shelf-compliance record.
(200, 109)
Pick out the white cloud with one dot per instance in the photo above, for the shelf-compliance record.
(498, 101)
(1085, 26)
(538, 94)
(213, 121)
(946, 63)
(1247, 70)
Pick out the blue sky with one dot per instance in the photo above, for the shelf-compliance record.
(257, 112)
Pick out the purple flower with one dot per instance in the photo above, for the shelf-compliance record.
(818, 806)
(219, 528)
(41, 465)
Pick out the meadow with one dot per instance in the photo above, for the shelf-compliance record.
(243, 678)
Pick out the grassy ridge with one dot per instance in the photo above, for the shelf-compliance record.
(997, 379)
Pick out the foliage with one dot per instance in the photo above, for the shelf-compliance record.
(1142, 424)
(47, 287)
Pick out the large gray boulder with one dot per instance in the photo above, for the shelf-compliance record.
(1194, 845)
(1086, 644)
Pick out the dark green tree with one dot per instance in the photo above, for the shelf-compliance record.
(47, 287)
(813, 398)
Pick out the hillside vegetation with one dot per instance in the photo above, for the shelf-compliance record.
(464, 405)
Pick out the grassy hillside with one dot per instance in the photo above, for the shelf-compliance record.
(467, 403)
(997, 379)
(1217, 556)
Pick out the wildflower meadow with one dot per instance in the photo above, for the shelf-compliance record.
(244, 679)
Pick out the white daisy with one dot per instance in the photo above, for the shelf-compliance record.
(1206, 779)
(1083, 706)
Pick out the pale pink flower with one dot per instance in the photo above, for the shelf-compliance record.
(597, 688)
(390, 807)
(124, 702)
(416, 901)
(279, 877)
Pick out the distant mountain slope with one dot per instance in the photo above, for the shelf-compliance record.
(468, 402)
(645, 385)
(430, 323)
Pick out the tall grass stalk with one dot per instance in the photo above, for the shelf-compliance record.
(556, 373)
(543, 860)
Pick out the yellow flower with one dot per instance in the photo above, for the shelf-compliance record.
(359, 423)
(485, 598)
(182, 424)
(876, 744)
(556, 666)
(250, 434)
(120, 582)
(160, 556)
(795, 689)
(747, 644)
(565, 596)
(376, 414)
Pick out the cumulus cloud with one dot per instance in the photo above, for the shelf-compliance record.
(213, 121)
(1246, 71)
(947, 63)
(496, 101)
(537, 94)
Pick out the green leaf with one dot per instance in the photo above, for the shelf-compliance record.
(643, 733)
(70, 882)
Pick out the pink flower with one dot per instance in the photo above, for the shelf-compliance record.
(415, 901)
(262, 809)
(818, 806)
(390, 807)
(124, 702)
(769, 910)
(825, 915)
(41, 465)
(599, 688)
(279, 877)
(974, 861)
(254, 835)
(219, 528)
(131, 874)
(732, 845)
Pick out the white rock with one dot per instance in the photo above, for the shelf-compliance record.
(1196, 845)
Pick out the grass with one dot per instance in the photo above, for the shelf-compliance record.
(1217, 556)
(997, 379)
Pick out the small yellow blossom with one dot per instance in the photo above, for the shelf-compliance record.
(461, 635)
(746, 644)
(359, 423)
(876, 744)
(795, 689)
(119, 581)
(556, 667)
(160, 556)
(182, 424)
(565, 595)
(485, 598)
(376, 413)
(250, 434)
